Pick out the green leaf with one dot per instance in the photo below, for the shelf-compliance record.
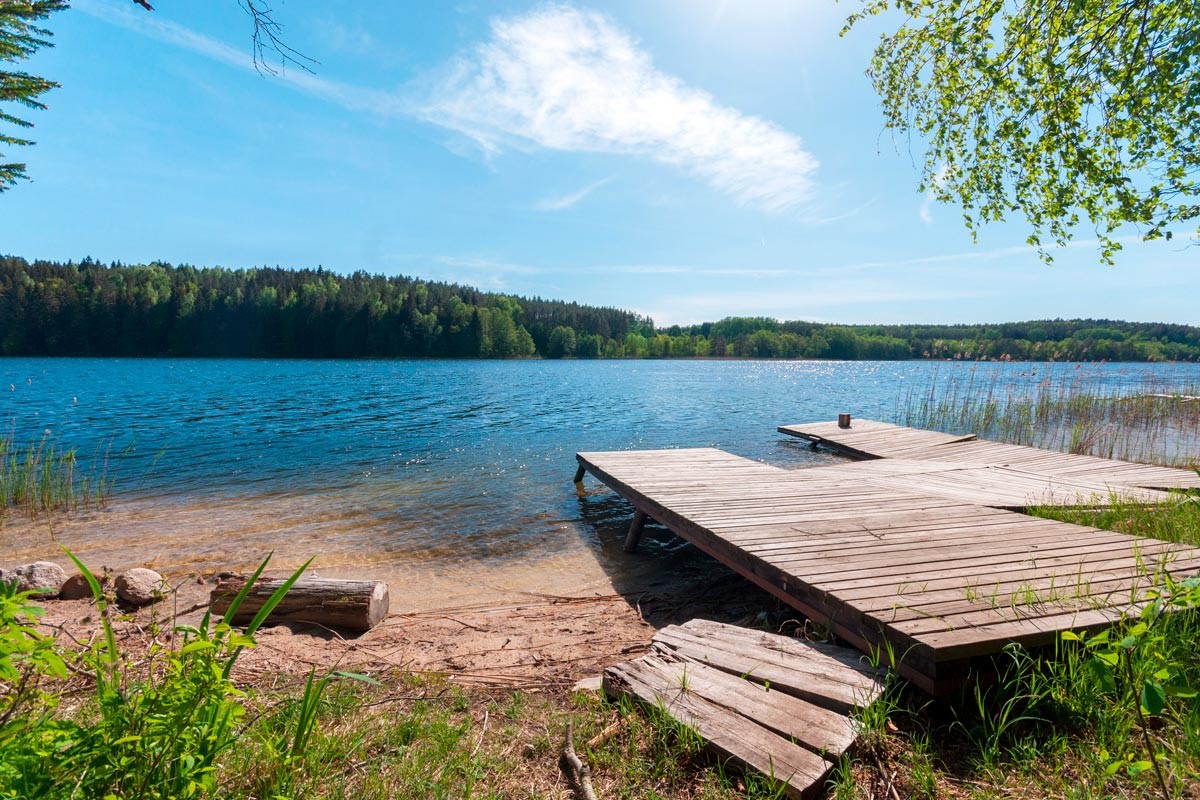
(241, 640)
(1154, 697)
(356, 676)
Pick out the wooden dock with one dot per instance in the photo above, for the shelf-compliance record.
(866, 439)
(906, 551)
(765, 702)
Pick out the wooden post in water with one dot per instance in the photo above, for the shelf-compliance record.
(579, 473)
(843, 420)
(635, 531)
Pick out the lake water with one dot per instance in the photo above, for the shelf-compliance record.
(451, 480)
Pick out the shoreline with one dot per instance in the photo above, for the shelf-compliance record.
(542, 641)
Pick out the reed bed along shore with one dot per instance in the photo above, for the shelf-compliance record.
(1070, 410)
(44, 476)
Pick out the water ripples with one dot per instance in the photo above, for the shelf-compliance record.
(422, 465)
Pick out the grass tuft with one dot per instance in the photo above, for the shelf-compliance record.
(43, 477)
(1074, 412)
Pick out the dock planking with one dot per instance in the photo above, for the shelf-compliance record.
(868, 439)
(765, 702)
(920, 557)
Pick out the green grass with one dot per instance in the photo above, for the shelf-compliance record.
(169, 721)
(43, 476)
(437, 740)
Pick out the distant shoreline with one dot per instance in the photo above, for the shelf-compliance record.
(576, 360)
(89, 309)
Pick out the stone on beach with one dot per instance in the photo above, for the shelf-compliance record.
(139, 586)
(44, 577)
(76, 588)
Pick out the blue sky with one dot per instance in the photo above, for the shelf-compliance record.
(687, 159)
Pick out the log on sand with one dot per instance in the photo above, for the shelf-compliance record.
(350, 605)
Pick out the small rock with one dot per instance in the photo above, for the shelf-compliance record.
(76, 588)
(592, 684)
(139, 586)
(44, 577)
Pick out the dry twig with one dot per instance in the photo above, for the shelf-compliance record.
(578, 774)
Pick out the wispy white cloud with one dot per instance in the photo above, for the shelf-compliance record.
(569, 200)
(563, 79)
(348, 96)
(567, 79)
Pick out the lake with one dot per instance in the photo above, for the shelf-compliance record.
(449, 479)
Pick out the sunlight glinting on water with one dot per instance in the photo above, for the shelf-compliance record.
(447, 479)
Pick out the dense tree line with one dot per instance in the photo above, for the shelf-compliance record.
(92, 309)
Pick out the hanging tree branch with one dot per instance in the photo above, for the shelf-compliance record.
(267, 43)
(266, 40)
(1071, 114)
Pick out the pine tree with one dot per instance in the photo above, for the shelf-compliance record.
(21, 37)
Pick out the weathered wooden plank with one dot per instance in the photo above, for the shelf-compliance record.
(881, 441)
(826, 656)
(869, 584)
(728, 733)
(1128, 584)
(824, 682)
(810, 725)
(963, 643)
(967, 562)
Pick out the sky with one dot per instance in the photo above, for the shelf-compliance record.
(685, 159)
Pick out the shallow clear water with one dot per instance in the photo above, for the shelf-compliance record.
(450, 478)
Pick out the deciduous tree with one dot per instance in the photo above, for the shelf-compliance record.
(1063, 112)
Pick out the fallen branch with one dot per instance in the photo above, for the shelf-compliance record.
(889, 787)
(578, 774)
(606, 734)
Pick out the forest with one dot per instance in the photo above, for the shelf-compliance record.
(87, 308)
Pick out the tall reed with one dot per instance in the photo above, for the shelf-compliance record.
(43, 476)
(1136, 420)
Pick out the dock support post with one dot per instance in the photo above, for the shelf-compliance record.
(579, 473)
(635, 531)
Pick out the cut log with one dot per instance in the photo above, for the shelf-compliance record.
(350, 605)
